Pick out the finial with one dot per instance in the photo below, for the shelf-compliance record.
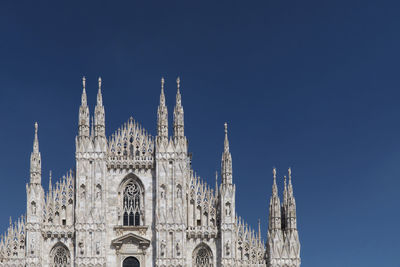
(99, 83)
(178, 83)
(226, 141)
(36, 141)
(162, 97)
(290, 174)
(284, 180)
(84, 82)
(274, 173)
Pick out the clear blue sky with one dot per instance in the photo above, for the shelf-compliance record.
(309, 84)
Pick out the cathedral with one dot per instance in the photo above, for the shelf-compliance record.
(134, 200)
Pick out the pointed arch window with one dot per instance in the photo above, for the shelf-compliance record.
(132, 204)
(60, 256)
(202, 256)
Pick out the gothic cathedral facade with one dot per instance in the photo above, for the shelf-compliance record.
(134, 200)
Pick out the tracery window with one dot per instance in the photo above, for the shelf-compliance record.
(132, 203)
(202, 256)
(60, 257)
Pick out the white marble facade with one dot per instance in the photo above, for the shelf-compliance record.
(134, 200)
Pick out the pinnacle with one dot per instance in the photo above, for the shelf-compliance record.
(226, 142)
(84, 98)
(36, 141)
(99, 95)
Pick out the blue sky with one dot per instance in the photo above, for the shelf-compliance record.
(309, 84)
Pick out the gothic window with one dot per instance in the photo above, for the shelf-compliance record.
(132, 203)
(202, 256)
(198, 216)
(60, 256)
(131, 262)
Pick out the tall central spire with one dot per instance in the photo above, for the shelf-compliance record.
(226, 164)
(36, 163)
(178, 114)
(162, 114)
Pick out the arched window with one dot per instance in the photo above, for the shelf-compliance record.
(133, 203)
(202, 256)
(131, 262)
(60, 256)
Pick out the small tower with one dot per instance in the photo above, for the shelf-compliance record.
(227, 207)
(292, 242)
(172, 172)
(162, 116)
(275, 236)
(84, 113)
(178, 115)
(91, 158)
(35, 201)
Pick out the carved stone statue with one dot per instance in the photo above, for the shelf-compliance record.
(162, 248)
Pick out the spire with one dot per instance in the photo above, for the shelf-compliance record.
(84, 112)
(226, 164)
(99, 121)
(162, 96)
(162, 114)
(274, 186)
(36, 140)
(50, 184)
(284, 204)
(274, 207)
(99, 95)
(178, 113)
(84, 97)
(290, 186)
(226, 141)
(259, 229)
(291, 217)
(178, 92)
(36, 165)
